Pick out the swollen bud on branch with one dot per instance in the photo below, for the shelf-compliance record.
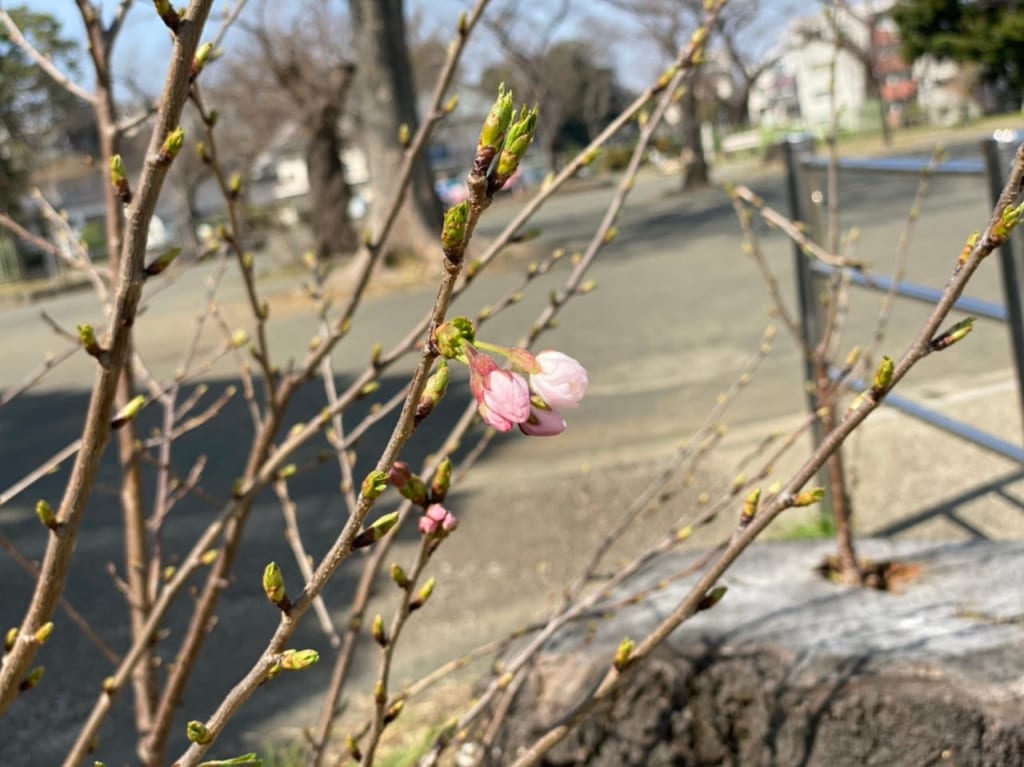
(623, 654)
(968, 248)
(374, 485)
(119, 178)
(43, 633)
(377, 631)
(422, 595)
(197, 732)
(128, 412)
(883, 377)
(297, 660)
(393, 712)
(172, 145)
(750, 505)
(10, 638)
(453, 232)
(161, 262)
(168, 15)
(520, 136)
(399, 577)
(273, 587)
(203, 56)
(956, 333)
(433, 392)
(92, 347)
(381, 527)
(46, 515)
(450, 338)
(1007, 223)
(712, 598)
(35, 676)
(442, 481)
(492, 135)
(408, 484)
(808, 497)
(353, 748)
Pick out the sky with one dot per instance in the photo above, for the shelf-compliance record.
(145, 43)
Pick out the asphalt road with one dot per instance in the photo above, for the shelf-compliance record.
(677, 312)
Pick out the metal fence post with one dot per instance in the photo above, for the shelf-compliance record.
(797, 148)
(998, 150)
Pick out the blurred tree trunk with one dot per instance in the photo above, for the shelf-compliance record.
(695, 165)
(329, 194)
(387, 100)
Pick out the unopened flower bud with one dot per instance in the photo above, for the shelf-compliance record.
(451, 337)
(453, 232)
(35, 676)
(393, 712)
(750, 506)
(377, 631)
(202, 57)
(374, 484)
(172, 145)
(353, 749)
(404, 134)
(273, 587)
(968, 248)
(492, 135)
(407, 483)
(623, 654)
(161, 262)
(451, 104)
(46, 514)
(10, 638)
(520, 135)
(712, 598)
(442, 481)
(422, 595)
(128, 412)
(809, 497)
(43, 633)
(399, 577)
(370, 535)
(297, 660)
(109, 685)
(235, 185)
(433, 392)
(197, 732)
(883, 376)
(119, 179)
(956, 333)
(167, 14)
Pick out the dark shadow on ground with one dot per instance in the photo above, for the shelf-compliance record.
(42, 725)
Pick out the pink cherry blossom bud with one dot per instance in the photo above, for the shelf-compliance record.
(503, 397)
(561, 382)
(399, 474)
(543, 423)
(437, 521)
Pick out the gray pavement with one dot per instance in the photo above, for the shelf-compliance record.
(677, 312)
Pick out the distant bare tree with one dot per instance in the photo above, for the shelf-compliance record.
(737, 29)
(302, 75)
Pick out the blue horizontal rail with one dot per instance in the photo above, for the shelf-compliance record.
(964, 430)
(954, 167)
(923, 293)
